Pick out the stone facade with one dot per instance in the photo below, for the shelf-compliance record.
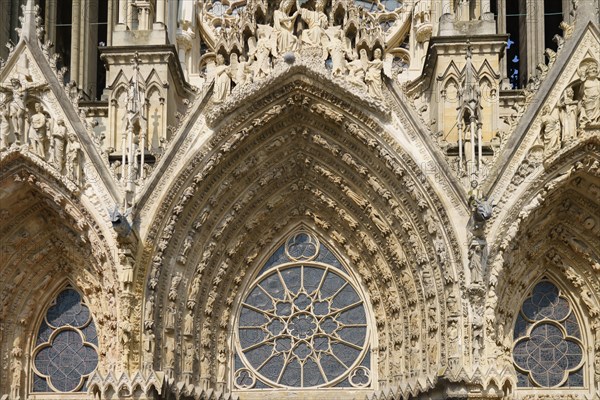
(325, 199)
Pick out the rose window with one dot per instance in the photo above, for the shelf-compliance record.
(547, 350)
(66, 347)
(302, 323)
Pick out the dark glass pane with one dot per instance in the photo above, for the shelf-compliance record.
(575, 379)
(572, 327)
(331, 367)
(40, 384)
(355, 335)
(259, 299)
(345, 297)
(91, 336)
(43, 333)
(345, 354)
(249, 337)
(68, 310)
(291, 374)
(277, 258)
(355, 315)
(326, 257)
(520, 327)
(272, 368)
(331, 285)
(312, 278)
(251, 318)
(312, 374)
(273, 286)
(259, 355)
(292, 279)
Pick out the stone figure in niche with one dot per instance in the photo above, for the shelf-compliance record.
(317, 22)
(190, 356)
(16, 367)
(4, 125)
(204, 369)
(357, 68)
(16, 107)
(568, 114)
(170, 353)
(188, 324)
(264, 48)
(170, 318)
(476, 262)
(38, 127)
(59, 136)
(149, 313)
(283, 25)
(222, 360)
(222, 80)
(73, 157)
(373, 75)
(550, 130)
(337, 51)
(589, 109)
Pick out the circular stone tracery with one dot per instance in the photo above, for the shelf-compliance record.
(302, 323)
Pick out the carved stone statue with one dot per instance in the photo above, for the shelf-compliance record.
(38, 135)
(589, 110)
(222, 360)
(17, 107)
(568, 115)
(317, 22)
(337, 51)
(190, 356)
(373, 75)
(73, 157)
(262, 52)
(59, 136)
(222, 80)
(4, 125)
(357, 68)
(170, 353)
(283, 25)
(550, 130)
(16, 368)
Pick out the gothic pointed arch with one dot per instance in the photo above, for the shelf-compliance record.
(300, 158)
(65, 349)
(49, 232)
(554, 234)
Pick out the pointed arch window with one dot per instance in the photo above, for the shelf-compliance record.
(303, 322)
(66, 348)
(548, 350)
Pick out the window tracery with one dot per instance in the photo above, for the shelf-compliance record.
(65, 352)
(548, 349)
(303, 322)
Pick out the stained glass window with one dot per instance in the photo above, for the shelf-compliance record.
(548, 351)
(302, 322)
(66, 347)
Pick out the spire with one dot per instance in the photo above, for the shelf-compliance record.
(29, 21)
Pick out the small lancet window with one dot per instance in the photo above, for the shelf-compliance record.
(547, 350)
(65, 351)
(302, 322)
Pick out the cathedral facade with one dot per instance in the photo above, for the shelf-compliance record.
(310, 199)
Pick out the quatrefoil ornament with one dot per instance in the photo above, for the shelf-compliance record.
(66, 360)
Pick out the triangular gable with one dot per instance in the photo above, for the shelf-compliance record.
(39, 77)
(581, 48)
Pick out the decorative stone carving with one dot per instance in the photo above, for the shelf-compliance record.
(550, 130)
(73, 158)
(589, 110)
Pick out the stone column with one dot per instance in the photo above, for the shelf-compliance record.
(122, 12)
(160, 12)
